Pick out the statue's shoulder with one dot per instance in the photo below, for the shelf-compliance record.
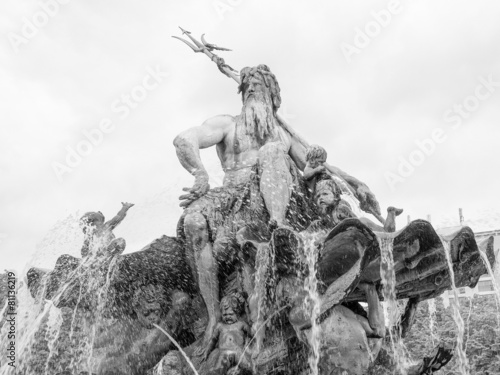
(224, 126)
(221, 121)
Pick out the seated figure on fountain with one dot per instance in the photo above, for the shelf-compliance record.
(99, 237)
(262, 185)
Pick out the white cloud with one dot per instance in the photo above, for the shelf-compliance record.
(365, 114)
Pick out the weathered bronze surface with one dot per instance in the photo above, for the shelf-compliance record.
(249, 244)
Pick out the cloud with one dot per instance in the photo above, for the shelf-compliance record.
(365, 114)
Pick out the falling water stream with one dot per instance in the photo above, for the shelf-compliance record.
(468, 324)
(432, 321)
(255, 335)
(48, 336)
(496, 287)
(312, 304)
(388, 276)
(262, 263)
(462, 357)
(495, 280)
(178, 347)
(32, 321)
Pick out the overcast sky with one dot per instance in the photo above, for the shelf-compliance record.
(368, 80)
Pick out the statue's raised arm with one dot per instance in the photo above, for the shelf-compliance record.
(367, 200)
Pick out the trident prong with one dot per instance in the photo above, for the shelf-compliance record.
(194, 48)
(198, 44)
(207, 49)
(210, 46)
(184, 31)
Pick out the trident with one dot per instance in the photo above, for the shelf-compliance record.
(207, 49)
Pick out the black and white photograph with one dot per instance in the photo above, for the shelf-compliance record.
(249, 187)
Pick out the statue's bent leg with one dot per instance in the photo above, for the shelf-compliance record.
(205, 267)
(275, 180)
(375, 313)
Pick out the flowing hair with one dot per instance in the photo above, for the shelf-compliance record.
(263, 74)
(259, 112)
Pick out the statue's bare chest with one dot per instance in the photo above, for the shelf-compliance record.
(242, 139)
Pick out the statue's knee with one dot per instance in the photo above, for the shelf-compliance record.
(195, 223)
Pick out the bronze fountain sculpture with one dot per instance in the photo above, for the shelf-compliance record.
(230, 287)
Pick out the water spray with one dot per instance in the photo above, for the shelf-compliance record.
(178, 348)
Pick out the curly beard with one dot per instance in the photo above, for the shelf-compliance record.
(258, 117)
(326, 210)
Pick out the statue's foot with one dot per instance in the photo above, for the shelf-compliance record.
(272, 226)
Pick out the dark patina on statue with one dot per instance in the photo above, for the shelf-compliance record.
(229, 287)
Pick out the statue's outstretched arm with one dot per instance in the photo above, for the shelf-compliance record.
(367, 200)
(111, 224)
(187, 146)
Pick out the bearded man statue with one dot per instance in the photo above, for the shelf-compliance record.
(262, 183)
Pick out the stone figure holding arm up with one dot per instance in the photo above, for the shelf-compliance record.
(99, 237)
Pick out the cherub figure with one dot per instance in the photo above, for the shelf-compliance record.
(231, 334)
(99, 237)
(315, 171)
(328, 199)
(327, 195)
(315, 158)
